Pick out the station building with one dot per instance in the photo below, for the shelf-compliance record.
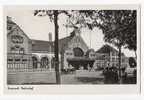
(109, 55)
(23, 52)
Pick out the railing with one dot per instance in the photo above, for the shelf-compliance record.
(29, 69)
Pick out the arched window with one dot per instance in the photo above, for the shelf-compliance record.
(44, 62)
(34, 62)
(78, 52)
(12, 50)
(21, 50)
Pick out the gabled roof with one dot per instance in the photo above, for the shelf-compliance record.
(9, 21)
(106, 49)
(90, 50)
(14, 27)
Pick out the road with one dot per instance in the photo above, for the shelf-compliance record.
(82, 78)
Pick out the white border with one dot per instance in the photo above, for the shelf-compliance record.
(79, 89)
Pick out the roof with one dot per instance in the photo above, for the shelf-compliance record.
(106, 49)
(13, 26)
(63, 43)
(40, 45)
(90, 50)
(9, 20)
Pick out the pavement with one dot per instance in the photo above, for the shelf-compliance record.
(83, 77)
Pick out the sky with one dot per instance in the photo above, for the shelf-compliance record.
(39, 28)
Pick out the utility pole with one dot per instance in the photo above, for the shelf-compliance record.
(56, 49)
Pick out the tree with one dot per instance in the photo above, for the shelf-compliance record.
(118, 27)
(53, 15)
(131, 43)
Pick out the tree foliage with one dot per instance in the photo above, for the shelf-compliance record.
(118, 26)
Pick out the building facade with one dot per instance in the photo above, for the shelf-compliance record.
(108, 55)
(24, 52)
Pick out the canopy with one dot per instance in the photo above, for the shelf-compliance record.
(80, 61)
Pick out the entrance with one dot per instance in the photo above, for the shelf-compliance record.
(78, 52)
(34, 62)
(44, 62)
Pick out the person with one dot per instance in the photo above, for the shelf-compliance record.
(123, 75)
(81, 68)
(134, 76)
(72, 69)
(88, 67)
(106, 75)
(111, 76)
(115, 76)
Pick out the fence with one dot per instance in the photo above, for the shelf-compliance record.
(21, 69)
(25, 62)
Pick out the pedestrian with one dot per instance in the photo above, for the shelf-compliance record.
(123, 76)
(106, 75)
(115, 76)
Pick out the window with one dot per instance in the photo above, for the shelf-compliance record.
(24, 59)
(17, 49)
(17, 59)
(44, 62)
(10, 59)
(17, 39)
(9, 27)
(21, 50)
(12, 50)
(78, 52)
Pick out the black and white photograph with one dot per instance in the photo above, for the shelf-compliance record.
(71, 46)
